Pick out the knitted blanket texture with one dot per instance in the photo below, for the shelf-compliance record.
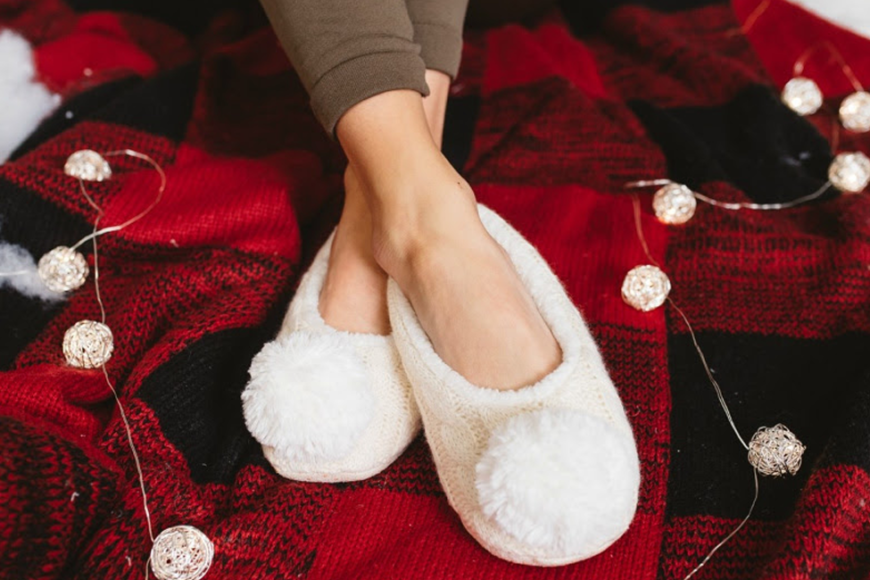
(548, 122)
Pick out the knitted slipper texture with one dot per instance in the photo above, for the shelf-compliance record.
(544, 475)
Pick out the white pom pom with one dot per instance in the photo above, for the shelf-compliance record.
(308, 397)
(560, 480)
(25, 101)
(16, 55)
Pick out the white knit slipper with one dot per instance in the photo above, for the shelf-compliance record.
(545, 475)
(325, 404)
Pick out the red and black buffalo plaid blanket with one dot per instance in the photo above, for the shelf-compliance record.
(548, 123)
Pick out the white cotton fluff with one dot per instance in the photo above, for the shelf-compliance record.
(18, 271)
(309, 397)
(559, 479)
(851, 14)
(24, 101)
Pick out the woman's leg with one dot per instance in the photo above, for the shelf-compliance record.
(423, 227)
(426, 234)
(353, 297)
(344, 53)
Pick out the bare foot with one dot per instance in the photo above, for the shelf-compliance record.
(353, 297)
(466, 293)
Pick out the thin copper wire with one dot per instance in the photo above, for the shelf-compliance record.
(733, 532)
(752, 18)
(716, 387)
(801, 62)
(648, 183)
(160, 190)
(635, 202)
(709, 372)
(736, 205)
(89, 198)
(97, 262)
(798, 68)
(135, 453)
(138, 216)
(835, 134)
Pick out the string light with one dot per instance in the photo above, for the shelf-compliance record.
(87, 165)
(645, 288)
(855, 112)
(88, 344)
(674, 204)
(803, 96)
(850, 172)
(63, 269)
(179, 552)
(773, 451)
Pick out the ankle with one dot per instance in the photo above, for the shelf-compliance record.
(385, 132)
(424, 220)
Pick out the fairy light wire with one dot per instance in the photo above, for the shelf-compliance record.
(709, 372)
(733, 533)
(136, 460)
(738, 205)
(639, 227)
(160, 189)
(719, 395)
(801, 62)
(754, 16)
(128, 430)
(116, 228)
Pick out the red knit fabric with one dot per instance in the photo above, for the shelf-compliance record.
(548, 123)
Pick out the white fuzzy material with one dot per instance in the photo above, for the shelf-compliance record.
(24, 101)
(14, 260)
(559, 479)
(308, 397)
(851, 14)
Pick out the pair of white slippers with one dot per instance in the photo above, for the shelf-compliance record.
(544, 475)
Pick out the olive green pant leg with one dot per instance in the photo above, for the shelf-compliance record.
(438, 31)
(347, 51)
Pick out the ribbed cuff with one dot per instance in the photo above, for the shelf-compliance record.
(362, 77)
(441, 46)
